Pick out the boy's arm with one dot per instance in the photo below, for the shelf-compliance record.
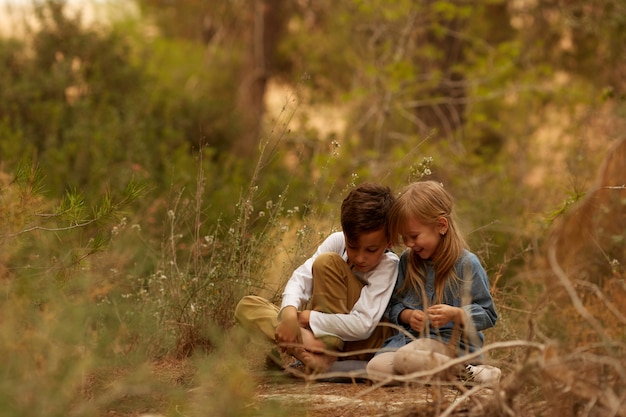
(367, 311)
(299, 288)
(288, 329)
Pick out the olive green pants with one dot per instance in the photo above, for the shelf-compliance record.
(335, 290)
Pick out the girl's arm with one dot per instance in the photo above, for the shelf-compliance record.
(396, 304)
(475, 286)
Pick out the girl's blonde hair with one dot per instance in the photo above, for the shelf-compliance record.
(428, 202)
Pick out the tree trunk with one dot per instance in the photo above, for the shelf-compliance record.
(266, 25)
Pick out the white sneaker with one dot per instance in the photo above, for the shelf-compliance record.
(484, 374)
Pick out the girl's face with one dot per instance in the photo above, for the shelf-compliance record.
(424, 239)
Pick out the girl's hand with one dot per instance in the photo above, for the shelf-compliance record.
(442, 314)
(416, 319)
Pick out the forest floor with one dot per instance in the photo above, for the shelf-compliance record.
(312, 398)
(351, 399)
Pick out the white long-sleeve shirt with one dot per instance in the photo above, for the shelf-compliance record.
(369, 308)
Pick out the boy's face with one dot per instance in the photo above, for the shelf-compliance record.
(365, 254)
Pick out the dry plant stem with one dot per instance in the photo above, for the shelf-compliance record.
(609, 305)
(50, 229)
(172, 236)
(605, 397)
(246, 203)
(200, 181)
(576, 302)
(424, 374)
(459, 401)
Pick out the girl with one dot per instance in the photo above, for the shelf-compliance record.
(441, 297)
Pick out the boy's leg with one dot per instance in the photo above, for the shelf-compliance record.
(312, 353)
(365, 349)
(335, 287)
(335, 290)
(258, 316)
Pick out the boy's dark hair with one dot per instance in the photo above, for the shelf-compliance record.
(366, 209)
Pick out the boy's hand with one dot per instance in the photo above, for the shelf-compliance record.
(287, 332)
(303, 318)
(442, 314)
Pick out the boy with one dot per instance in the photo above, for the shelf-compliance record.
(346, 285)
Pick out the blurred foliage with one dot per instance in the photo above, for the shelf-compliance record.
(140, 228)
(95, 106)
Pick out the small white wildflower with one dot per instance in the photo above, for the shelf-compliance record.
(136, 227)
(614, 265)
(261, 214)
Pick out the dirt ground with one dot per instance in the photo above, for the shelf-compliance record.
(343, 397)
(362, 398)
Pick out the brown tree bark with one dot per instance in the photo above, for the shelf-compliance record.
(266, 25)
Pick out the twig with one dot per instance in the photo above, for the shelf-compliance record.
(460, 400)
(573, 295)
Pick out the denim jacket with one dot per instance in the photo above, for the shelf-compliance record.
(472, 295)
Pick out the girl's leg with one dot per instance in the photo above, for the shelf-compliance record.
(381, 366)
(420, 355)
